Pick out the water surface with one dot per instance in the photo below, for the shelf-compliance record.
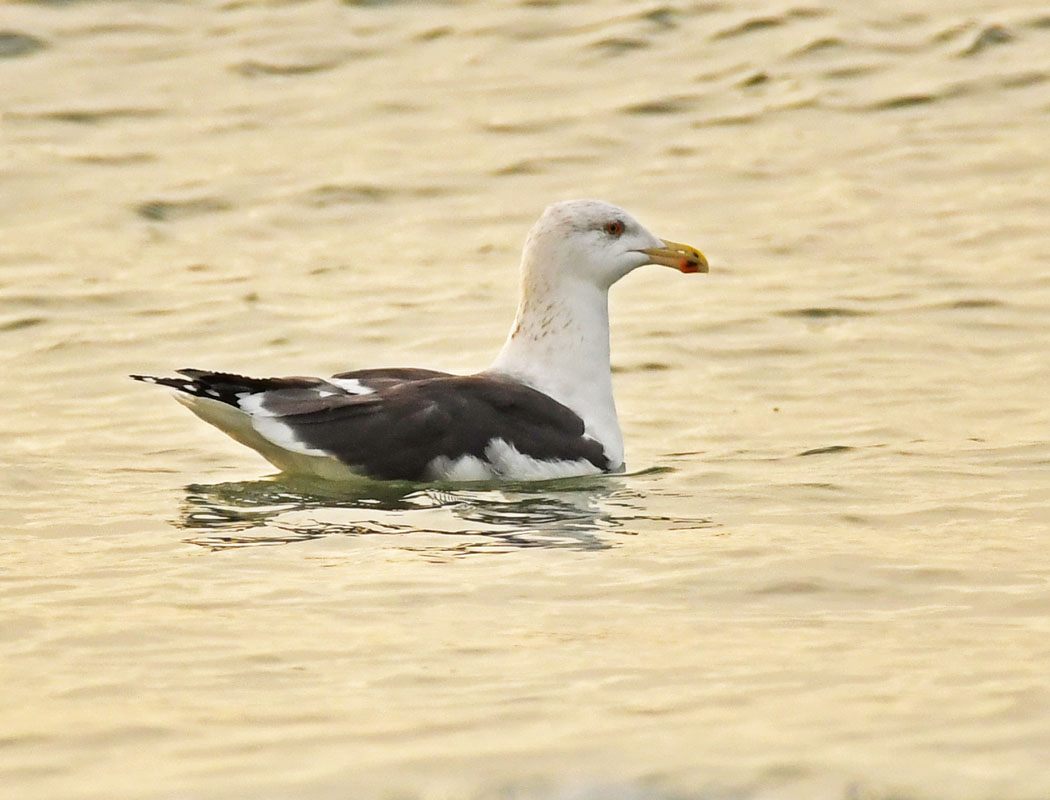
(828, 576)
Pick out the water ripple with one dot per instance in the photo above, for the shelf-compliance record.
(15, 45)
(287, 511)
(171, 210)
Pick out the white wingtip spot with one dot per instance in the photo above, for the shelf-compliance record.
(351, 385)
(253, 404)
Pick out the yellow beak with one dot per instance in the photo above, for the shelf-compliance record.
(682, 257)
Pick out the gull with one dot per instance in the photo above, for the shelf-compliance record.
(544, 409)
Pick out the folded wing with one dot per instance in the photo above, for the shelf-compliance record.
(398, 424)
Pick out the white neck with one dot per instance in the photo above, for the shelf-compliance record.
(559, 344)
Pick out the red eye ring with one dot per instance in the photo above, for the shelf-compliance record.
(614, 228)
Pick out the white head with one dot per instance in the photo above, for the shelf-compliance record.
(598, 243)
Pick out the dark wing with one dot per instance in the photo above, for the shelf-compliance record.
(405, 420)
(414, 422)
(271, 397)
(387, 377)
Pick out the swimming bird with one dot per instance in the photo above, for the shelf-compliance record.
(544, 409)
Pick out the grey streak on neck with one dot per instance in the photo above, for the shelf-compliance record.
(559, 344)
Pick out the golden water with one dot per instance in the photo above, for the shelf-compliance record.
(832, 576)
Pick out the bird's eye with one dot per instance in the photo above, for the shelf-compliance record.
(614, 228)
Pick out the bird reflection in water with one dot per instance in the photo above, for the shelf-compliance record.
(577, 513)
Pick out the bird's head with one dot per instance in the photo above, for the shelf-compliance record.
(599, 243)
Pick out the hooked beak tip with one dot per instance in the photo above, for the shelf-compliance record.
(683, 257)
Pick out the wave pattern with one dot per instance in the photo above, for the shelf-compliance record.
(826, 578)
